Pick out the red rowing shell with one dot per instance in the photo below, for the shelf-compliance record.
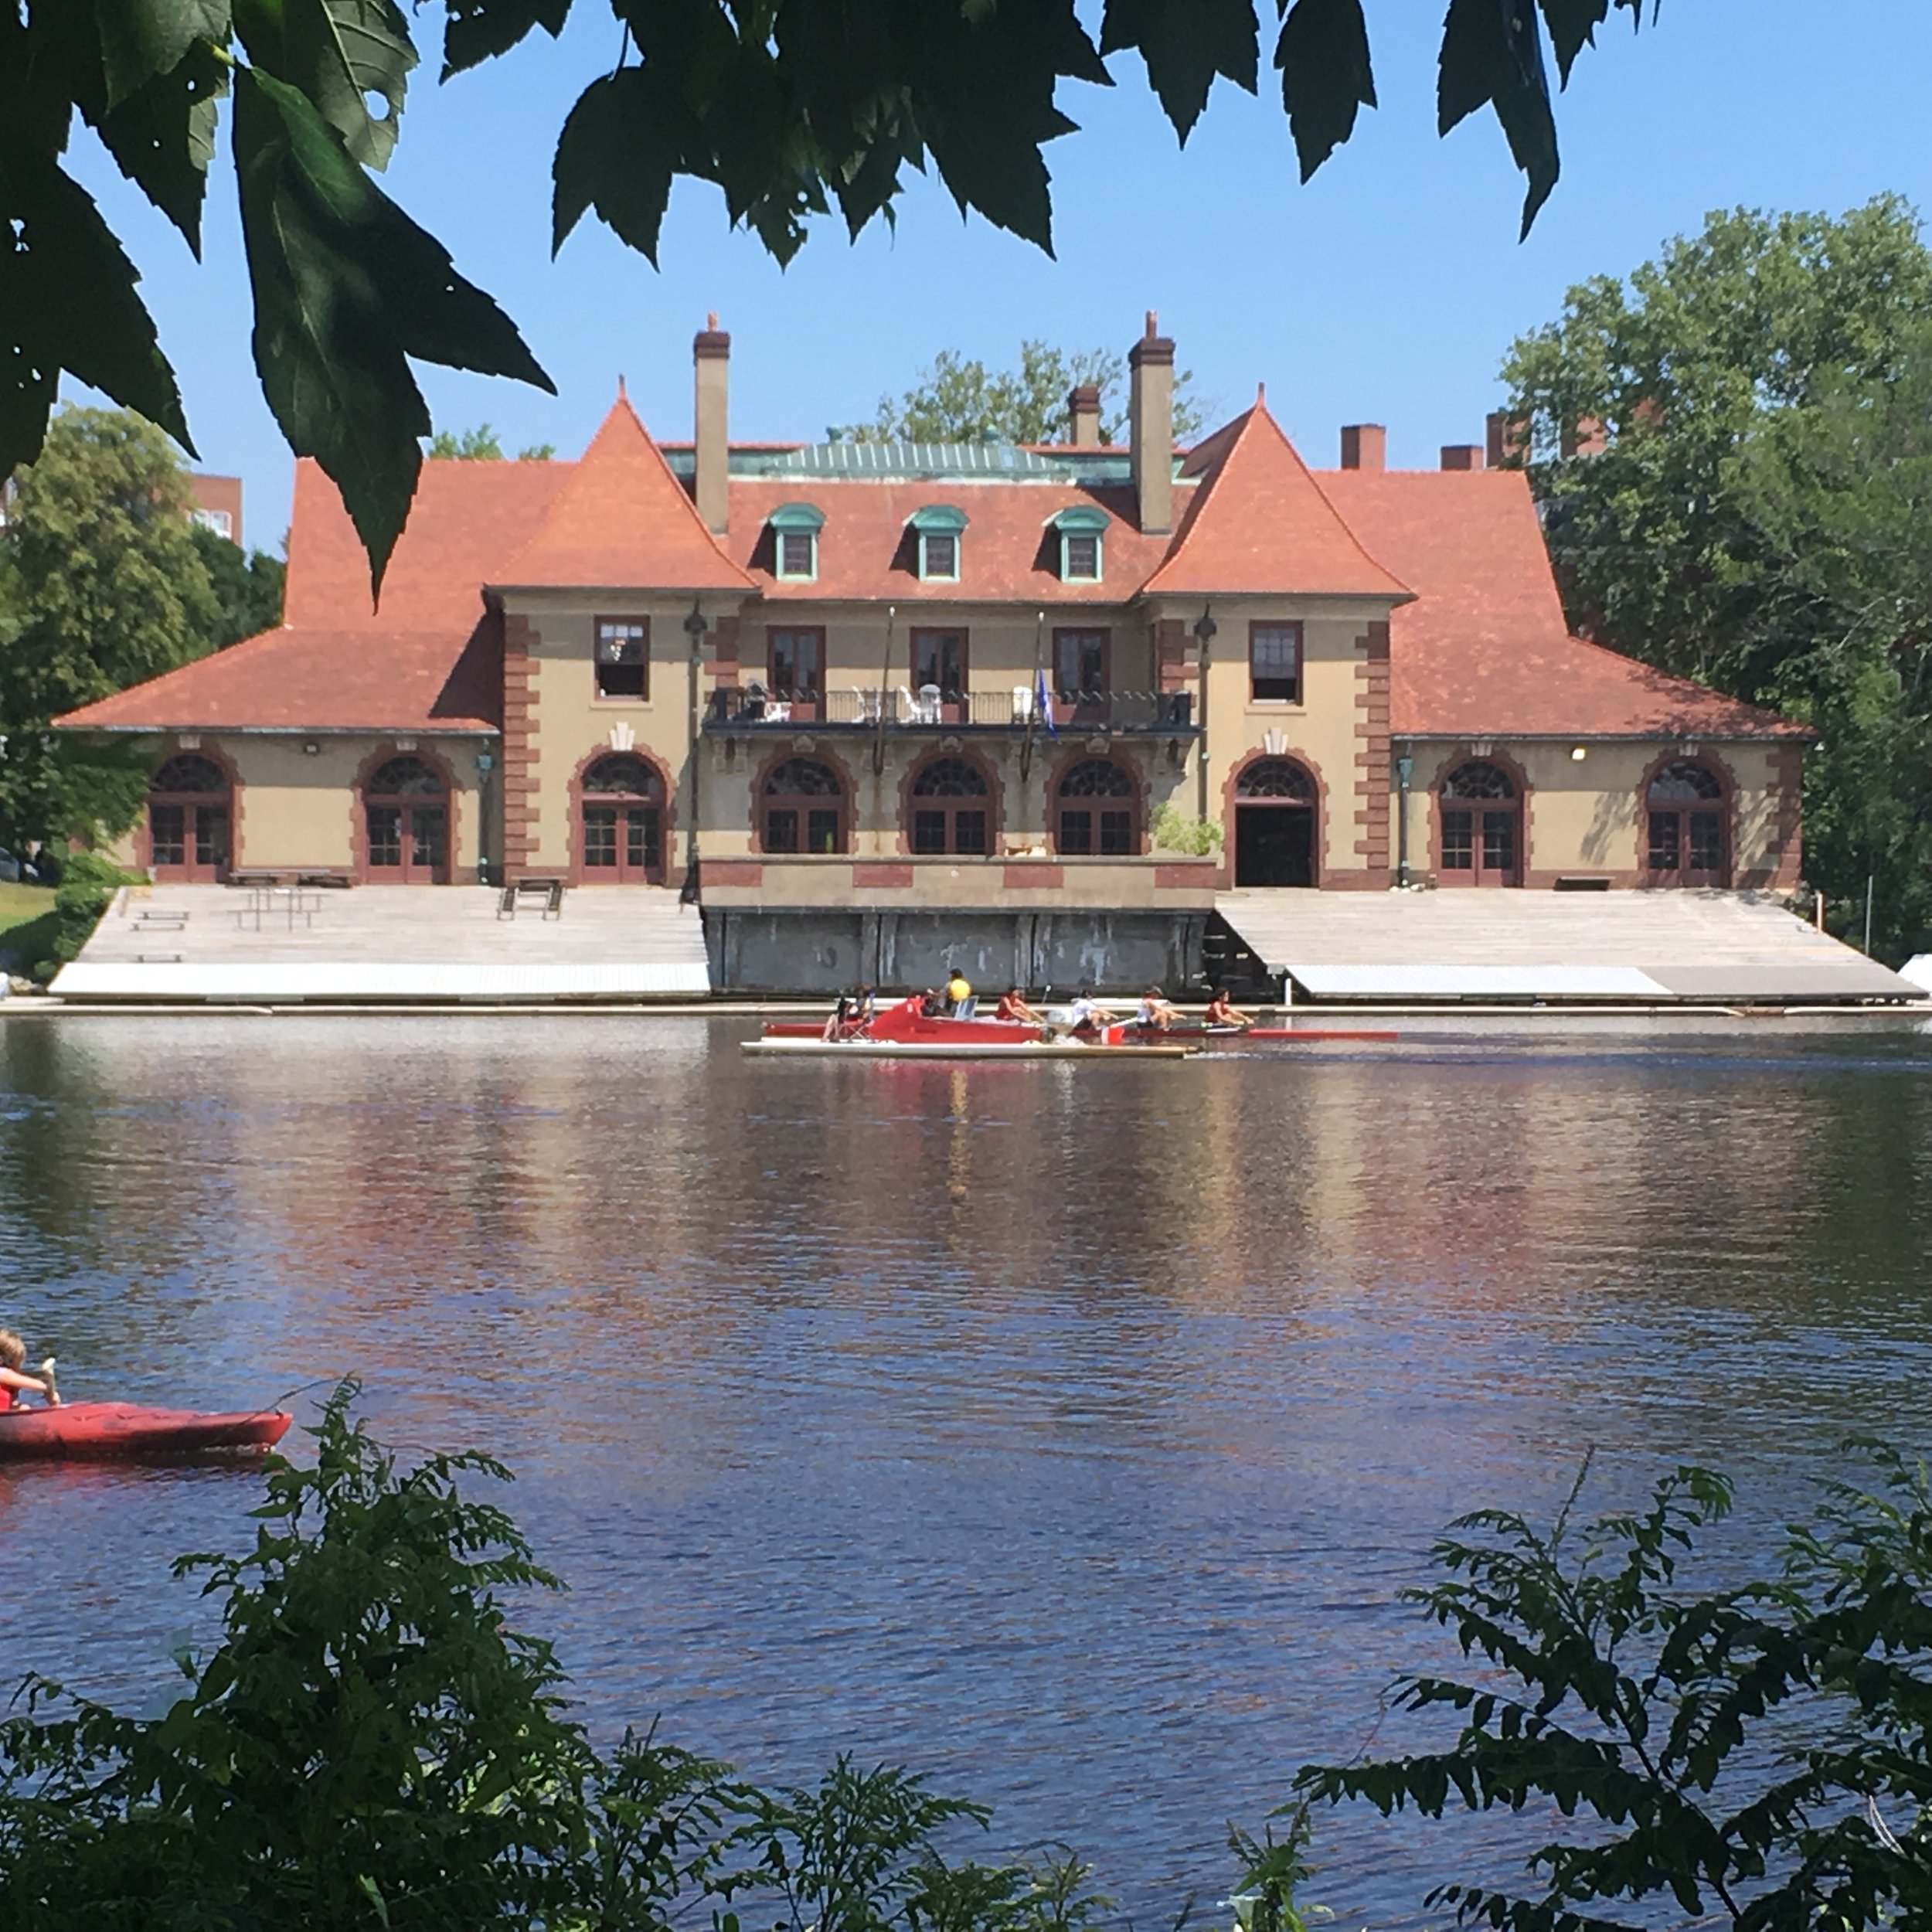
(91, 1431)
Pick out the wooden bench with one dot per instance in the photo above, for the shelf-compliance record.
(549, 890)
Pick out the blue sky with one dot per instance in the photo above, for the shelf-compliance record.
(1386, 291)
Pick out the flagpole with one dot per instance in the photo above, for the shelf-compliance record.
(1033, 704)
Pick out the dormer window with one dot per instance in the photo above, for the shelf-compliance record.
(937, 529)
(794, 538)
(1081, 530)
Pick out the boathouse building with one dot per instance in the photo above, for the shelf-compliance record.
(880, 706)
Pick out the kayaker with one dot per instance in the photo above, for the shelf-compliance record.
(959, 994)
(1013, 1006)
(13, 1356)
(1220, 1013)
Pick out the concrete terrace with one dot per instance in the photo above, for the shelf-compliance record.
(1665, 948)
(401, 944)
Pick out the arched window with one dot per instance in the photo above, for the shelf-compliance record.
(1482, 827)
(1684, 810)
(951, 809)
(1275, 824)
(621, 820)
(190, 818)
(802, 808)
(1098, 809)
(405, 815)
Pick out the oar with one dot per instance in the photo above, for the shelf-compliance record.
(46, 1376)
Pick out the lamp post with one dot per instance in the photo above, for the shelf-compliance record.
(485, 763)
(1204, 629)
(1404, 771)
(694, 630)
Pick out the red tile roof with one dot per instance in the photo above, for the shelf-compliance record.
(347, 680)
(1484, 651)
(1009, 552)
(1260, 525)
(622, 520)
(1479, 647)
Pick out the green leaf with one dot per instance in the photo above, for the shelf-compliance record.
(67, 302)
(624, 140)
(478, 30)
(1186, 44)
(346, 288)
(338, 52)
(1492, 56)
(143, 39)
(162, 137)
(1323, 58)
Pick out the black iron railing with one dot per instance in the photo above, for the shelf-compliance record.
(754, 707)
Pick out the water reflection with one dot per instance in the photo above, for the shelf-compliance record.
(1068, 1431)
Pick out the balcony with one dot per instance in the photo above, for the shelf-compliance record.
(1009, 711)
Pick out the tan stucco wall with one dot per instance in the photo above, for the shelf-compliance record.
(295, 809)
(1586, 816)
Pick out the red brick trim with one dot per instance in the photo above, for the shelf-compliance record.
(1203, 876)
(1788, 825)
(848, 792)
(1463, 754)
(667, 811)
(1143, 792)
(520, 753)
(144, 832)
(1170, 656)
(386, 749)
(1374, 798)
(995, 798)
(876, 873)
(1035, 876)
(731, 872)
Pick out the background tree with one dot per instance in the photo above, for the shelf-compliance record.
(479, 445)
(1746, 520)
(248, 586)
(101, 586)
(956, 400)
(794, 109)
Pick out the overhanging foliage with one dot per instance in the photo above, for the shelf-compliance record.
(793, 108)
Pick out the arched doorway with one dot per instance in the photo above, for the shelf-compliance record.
(1684, 831)
(190, 820)
(1481, 842)
(801, 807)
(951, 810)
(1097, 810)
(406, 817)
(620, 822)
(1274, 825)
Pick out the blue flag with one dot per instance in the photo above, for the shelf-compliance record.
(1043, 702)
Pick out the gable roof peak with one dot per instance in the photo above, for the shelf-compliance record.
(1260, 525)
(623, 521)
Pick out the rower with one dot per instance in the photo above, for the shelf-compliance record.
(1154, 1014)
(1013, 1006)
(1220, 1013)
(959, 994)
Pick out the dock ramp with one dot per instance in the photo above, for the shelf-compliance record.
(412, 945)
(1664, 947)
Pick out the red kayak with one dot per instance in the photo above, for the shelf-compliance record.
(97, 1431)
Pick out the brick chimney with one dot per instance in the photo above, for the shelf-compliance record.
(1462, 455)
(1084, 416)
(1508, 439)
(1365, 446)
(1150, 414)
(711, 360)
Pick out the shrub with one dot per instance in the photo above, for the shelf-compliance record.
(88, 883)
(1174, 831)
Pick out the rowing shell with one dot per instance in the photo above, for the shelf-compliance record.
(872, 1049)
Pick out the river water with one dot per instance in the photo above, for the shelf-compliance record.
(1067, 1432)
